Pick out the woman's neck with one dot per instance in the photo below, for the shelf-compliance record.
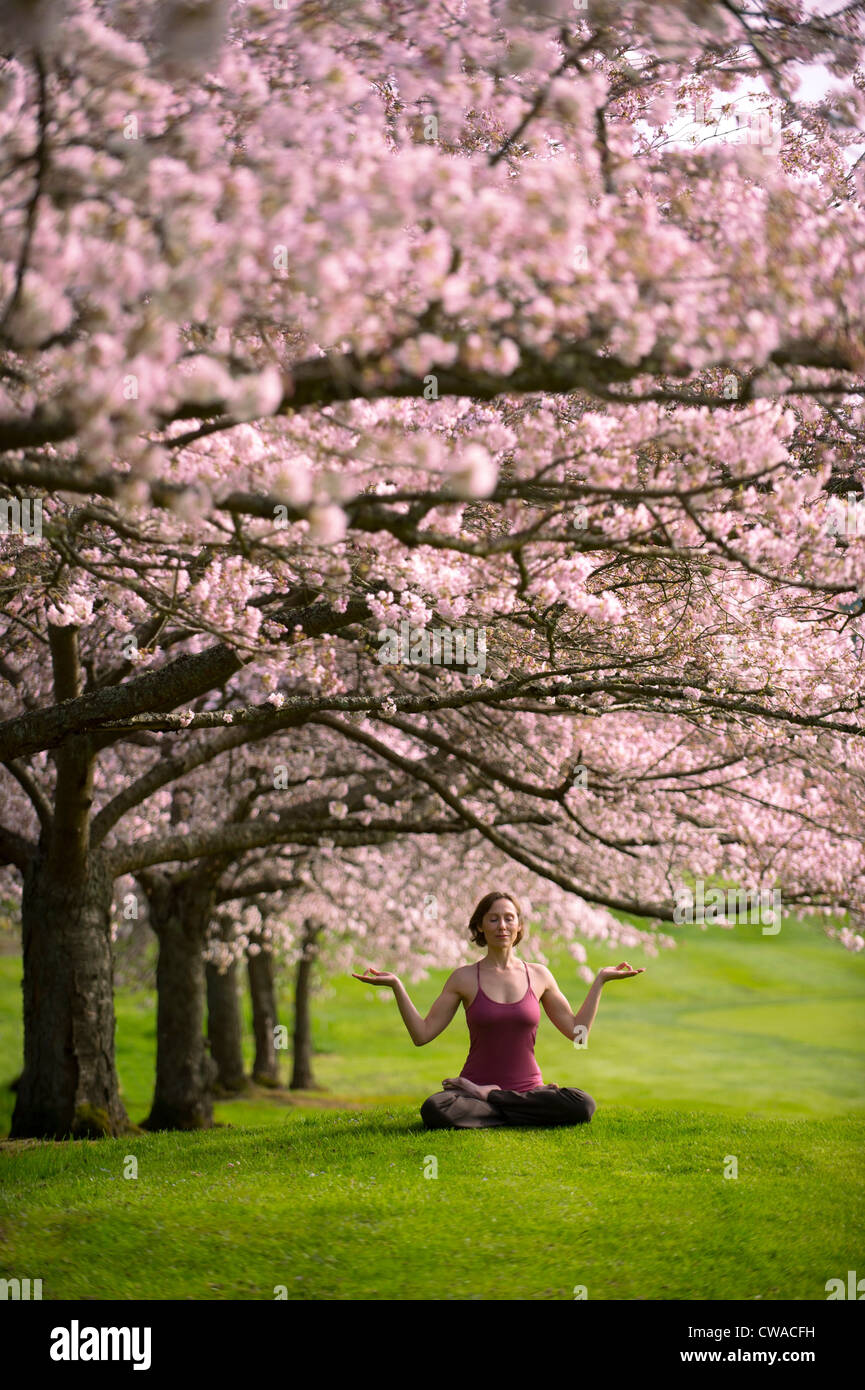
(501, 958)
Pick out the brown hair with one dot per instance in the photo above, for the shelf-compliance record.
(481, 911)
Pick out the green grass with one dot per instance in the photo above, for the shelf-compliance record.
(335, 1206)
(734, 1044)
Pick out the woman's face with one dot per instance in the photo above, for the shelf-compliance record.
(501, 923)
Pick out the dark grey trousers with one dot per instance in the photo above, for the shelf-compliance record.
(545, 1105)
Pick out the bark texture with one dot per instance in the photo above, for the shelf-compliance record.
(302, 1078)
(180, 911)
(224, 1031)
(68, 1087)
(265, 1071)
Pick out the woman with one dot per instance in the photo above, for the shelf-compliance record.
(500, 1083)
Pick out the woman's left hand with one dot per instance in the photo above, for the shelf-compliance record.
(622, 971)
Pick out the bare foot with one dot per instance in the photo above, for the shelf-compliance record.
(468, 1088)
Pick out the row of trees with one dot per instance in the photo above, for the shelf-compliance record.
(312, 328)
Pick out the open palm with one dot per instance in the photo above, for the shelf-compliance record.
(376, 977)
(622, 971)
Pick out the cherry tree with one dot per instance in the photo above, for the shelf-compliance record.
(312, 328)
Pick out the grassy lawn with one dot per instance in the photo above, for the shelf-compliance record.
(733, 1045)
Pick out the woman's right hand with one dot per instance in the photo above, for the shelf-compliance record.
(377, 977)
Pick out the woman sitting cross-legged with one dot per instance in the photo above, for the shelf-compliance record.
(501, 1083)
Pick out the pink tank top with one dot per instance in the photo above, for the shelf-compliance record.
(502, 1051)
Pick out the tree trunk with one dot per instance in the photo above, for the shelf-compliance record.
(223, 1027)
(180, 910)
(265, 1071)
(302, 1078)
(69, 1083)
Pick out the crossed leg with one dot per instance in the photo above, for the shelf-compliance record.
(461, 1105)
(464, 1105)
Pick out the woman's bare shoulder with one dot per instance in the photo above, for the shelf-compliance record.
(541, 975)
(462, 979)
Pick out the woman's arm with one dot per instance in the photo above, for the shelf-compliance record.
(559, 1011)
(421, 1030)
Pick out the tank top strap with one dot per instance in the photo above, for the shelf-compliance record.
(528, 976)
